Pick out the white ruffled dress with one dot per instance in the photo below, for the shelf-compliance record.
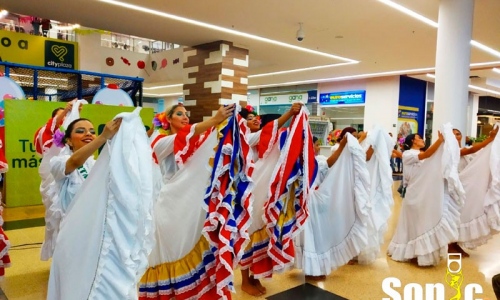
(430, 213)
(339, 213)
(480, 218)
(106, 236)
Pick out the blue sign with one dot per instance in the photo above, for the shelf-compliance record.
(350, 97)
(312, 96)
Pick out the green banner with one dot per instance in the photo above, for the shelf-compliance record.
(22, 120)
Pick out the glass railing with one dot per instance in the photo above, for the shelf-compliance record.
(134, 44)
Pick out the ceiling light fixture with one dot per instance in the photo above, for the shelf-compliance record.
(301, 69)
(410, 12)
(496, 70)
(163, 95)
(222, 29)
(39, 77)
(435, 25)
(162, 86)
(341, 78)
(483, 89)
(368, 75)
(471, 86)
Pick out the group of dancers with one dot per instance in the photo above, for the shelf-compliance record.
(172, 212)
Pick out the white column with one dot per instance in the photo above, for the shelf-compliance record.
(381, 105)
(89, 52)
(472, 117)
(452, 63)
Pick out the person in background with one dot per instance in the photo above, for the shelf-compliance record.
(392, 158)
(46, 26)
(468, 141)
(36, 25)
(399, 146)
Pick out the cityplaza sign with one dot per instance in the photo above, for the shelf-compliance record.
(283, 99)
(39, 51)
(434, 291)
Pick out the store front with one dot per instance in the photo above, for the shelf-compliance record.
(344, 109)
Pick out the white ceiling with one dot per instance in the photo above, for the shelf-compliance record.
(381, 38)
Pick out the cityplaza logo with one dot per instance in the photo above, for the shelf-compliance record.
(59, 51)
(59, 55)
(435, 291)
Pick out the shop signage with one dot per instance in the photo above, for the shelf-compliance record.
(38, 51)
(312, 96)
(408, 120)
(22, 119)
(349, 97)
(283, 99)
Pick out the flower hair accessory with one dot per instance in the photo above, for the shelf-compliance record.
(58, 138)
(251, 110)
(160, 121)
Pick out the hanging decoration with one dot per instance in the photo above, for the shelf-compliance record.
(142, 65)
(125, 61)
(164, 63)
(110, 61)
(154, 65)
(176, 61)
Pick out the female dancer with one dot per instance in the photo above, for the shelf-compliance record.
(430, 212)
(48, 143)
(476, 216)
(106, 234)
(72, 166)
(265, 153)
(359, 136)
(339, 200)
(381, 198)
(181, 264)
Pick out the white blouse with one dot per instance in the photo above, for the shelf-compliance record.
(164, 150)
(68, 185)
(411, 164)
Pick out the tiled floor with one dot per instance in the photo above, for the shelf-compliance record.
(28, 276)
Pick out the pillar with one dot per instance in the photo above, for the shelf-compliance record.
(473, 109)
(214, 74)
(452, 64)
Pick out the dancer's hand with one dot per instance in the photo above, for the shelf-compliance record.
(295, 109)
(440, 136)
(343, 141)
(111, 128)
(224, 112)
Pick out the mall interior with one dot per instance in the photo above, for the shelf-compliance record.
(407, 66)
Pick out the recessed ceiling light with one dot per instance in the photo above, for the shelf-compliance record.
(223, 29)
(302, 69)
(483, 89)
(161, 86)
(368, 75)
(163, 95)
(472, 86)
(410, 12)
(435, 25)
